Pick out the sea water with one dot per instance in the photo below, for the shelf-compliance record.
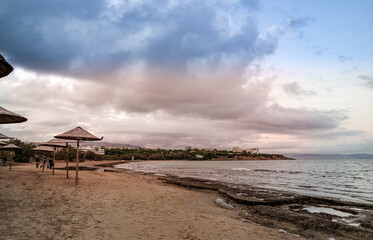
(343, 179)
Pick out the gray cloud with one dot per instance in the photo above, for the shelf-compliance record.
(85, 38)
(318, 50)
(344, 58)
(235, 108)
(161, 73)
(368, 80)
(294, 89)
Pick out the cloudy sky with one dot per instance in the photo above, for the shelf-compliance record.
(284, 76)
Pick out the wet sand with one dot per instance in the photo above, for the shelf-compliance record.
(110, 205)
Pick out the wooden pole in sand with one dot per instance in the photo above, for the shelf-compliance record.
(67, 160)
(54, 159)
(44, 162)
(10, 161)
(77, 162)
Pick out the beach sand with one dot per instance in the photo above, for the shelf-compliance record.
(107, 205)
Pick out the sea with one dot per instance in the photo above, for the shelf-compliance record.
(342, 179)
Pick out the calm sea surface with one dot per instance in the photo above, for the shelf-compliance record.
(344, 179)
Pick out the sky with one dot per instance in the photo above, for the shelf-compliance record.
(286, 76)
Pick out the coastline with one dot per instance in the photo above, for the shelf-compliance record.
(117, 204)
(288, 210)
(110, 205)
(269, 206)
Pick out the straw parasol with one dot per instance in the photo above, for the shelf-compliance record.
(2, 136)
(7, 116)
(43, 149)
(64, 141)
(5, 67)
(10, 147)
(54, 145)
(78, 134)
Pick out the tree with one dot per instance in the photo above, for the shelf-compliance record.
(25, 153)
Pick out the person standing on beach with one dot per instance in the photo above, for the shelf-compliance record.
(44, 162)
(4, 161)
(51, 163)
(37, 160)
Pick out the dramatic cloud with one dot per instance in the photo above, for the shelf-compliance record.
(155, 73)
(294, 89)
(85, 38)
(192, 109)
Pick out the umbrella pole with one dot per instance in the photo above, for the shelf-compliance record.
(54, 159)
(10, 162)
(44, 162)
(77, 162)
(67, 160)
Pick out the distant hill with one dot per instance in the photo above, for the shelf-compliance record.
(330, 156)
(110, 144)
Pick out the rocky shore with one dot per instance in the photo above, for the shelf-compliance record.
(287, 211)
(282, 210)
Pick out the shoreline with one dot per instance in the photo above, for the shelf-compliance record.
(280, 215)
(279, 208)
(110, 205)
(285, 209)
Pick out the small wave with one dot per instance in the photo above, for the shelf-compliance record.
(277, 171)
(241, 169)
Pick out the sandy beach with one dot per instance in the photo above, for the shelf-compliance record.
(107, 205)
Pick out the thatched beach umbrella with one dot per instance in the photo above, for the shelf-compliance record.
(54, 145)
(43, 149)
(7, 116)
(11, 148)
(64, 141)
(2, 143)
(2, 136)
(5, 67)
(78, 134)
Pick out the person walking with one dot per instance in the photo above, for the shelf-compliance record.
(44, 162)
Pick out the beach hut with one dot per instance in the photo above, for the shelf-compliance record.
(43, 149)
(2, 143)
(7, 116)
(54, 145)
(66, 142)
(11, 148)
(78, 134)
(5, 67)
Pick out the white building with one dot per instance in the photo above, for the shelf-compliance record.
(254, 150)
(237, 150)
(97, 150)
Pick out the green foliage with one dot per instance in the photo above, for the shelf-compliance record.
(25, 153)
(61, 154)
(178, 154)
(89, 155)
